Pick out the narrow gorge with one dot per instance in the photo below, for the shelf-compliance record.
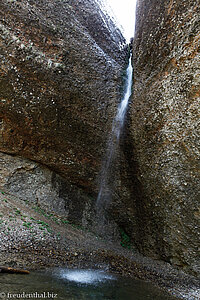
(62, 77)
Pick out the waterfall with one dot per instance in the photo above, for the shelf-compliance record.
(104, 194)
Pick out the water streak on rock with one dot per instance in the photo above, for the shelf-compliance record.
(104, 193)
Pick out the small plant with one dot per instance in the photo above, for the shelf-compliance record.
(125, 239)
(77, 226)
(43, 223)
(27, 225)
(64, 222)
(40, 211)
(17, 212)
(43, 226)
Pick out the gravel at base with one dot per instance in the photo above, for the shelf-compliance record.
(33, 238)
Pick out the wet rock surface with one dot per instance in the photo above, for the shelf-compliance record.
(163, 132)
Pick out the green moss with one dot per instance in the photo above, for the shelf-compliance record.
(125, 239)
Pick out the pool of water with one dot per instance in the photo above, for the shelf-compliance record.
(66, 284)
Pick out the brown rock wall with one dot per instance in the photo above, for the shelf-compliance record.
(164, 129)
(59, 84)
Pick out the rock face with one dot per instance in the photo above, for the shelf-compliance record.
(164, 127)
(61, 71)
(61, 64)
(45, 189)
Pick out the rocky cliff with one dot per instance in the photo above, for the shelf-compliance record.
(61, 65)
(61, 72)
(164, 131)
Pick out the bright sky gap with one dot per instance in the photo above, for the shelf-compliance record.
(124, 12)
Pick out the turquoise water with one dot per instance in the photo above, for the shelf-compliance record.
(65, 284)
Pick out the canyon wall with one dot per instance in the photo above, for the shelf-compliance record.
(163, 132)
(61, 66)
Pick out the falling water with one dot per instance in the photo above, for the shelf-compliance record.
(117, 126)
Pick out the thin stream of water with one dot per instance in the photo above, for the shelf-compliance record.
(117, 126)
